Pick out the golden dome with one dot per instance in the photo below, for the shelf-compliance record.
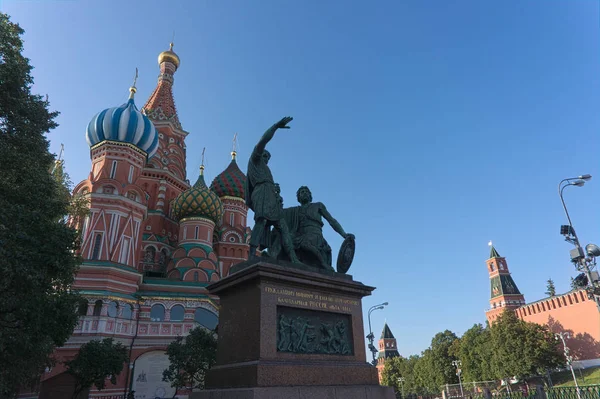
(169, 56)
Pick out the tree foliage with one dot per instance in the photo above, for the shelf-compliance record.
(96, 362)
(475, 353)
(406, 368)
(550, 288)
(521, 349)
(190, 358)
(37, 306)
(510, 348)
(424, 374)
(78, 205)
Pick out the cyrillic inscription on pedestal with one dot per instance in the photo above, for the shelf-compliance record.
(311, 331)
(313, 300)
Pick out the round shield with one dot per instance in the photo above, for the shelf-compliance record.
(346, 254)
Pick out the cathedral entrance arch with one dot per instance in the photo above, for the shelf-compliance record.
(147, 376)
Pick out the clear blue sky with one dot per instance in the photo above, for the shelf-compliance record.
(427, 127)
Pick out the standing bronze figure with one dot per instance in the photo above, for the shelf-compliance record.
(263, 197)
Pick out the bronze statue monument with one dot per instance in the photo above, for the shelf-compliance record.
(306, 227)
(262, 196)
(294, 234)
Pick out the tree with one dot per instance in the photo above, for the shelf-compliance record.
(550, 288)
(95, 362)
(434, 368)
(393, 370)
(190, 358)
(425, 375)
(397, 367)
(37, 304)
(78, 204)
(442, 357)
(521, 349)
(475, 353)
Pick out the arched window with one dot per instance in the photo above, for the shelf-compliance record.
(132, 195)
(113, 309)
(149, 255)
(82, 308)
(163, 259)
(206, 318)
(177, 313)
(157, 313)
(97, 307)
(97, 245)
(127, 312)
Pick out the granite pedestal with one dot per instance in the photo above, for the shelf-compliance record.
(290, 332)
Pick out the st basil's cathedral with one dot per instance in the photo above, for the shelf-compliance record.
(151, 242)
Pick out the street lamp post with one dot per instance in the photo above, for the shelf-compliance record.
(578, 256)
(371, 337)
(401, 382)
(568, 357)
(457, 364)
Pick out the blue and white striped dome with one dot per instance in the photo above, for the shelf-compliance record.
(124, 124)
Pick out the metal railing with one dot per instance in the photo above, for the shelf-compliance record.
(585, 392)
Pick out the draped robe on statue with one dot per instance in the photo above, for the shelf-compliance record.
(305, 226)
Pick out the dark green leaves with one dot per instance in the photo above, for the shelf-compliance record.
(37, 265)
(190, 359)
(97, 362)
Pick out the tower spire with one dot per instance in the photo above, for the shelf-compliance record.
(133, 89)
(234, 148)
(202, 163)
(493, 252)
(161, 105)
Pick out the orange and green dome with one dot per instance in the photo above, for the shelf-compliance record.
(231, 182)
(198, 201)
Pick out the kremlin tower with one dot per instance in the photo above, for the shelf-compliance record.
(150, 243)
(387, 349)
(504, 292)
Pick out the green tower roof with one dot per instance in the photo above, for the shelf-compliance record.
(494, 253)
(386, 333)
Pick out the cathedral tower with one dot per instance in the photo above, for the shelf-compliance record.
(504, 292)
(231, 238)
(164, 176)
(121, 141)
(198, 210)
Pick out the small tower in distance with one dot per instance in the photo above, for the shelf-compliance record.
(387, 349)
(504, 292)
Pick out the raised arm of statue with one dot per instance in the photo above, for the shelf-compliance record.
(334, 223)
(268, 135)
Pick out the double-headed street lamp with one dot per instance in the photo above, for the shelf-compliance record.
(457, 364)
(371, 337)
(583, 261)
(568, 357)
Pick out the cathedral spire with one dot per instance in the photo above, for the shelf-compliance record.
(161, 105)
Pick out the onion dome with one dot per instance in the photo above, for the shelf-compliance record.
(231, 182)
(124, 124)
(198, 201)
(169, 56)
